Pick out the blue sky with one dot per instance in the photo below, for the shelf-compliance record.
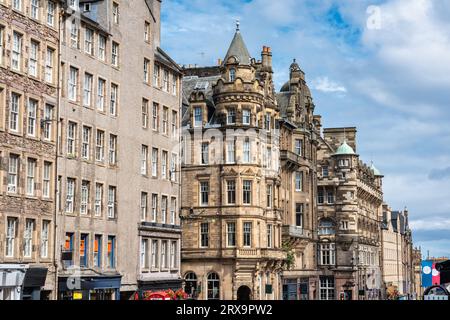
(384, 69)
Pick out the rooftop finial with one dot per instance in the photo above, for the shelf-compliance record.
(237, 25)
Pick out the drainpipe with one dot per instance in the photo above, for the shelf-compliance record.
(55, 179)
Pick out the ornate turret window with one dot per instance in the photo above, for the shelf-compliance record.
(232, 74)
(231, 116)
(246, 117)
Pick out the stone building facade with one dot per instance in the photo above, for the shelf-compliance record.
(329, 201)
(29, 51)
(118, 174)
(231, 214)
(349, 200)
(397, 253)
(300, 131)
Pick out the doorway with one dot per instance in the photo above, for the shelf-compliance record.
(244, 293)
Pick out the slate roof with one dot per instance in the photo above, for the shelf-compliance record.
(204, 84)
(238, 49)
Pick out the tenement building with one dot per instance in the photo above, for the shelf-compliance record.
(118, 230)
(398, 255)
(291, 214)
(231, 214)
(300, 131)
(29, 51)
(349, 201)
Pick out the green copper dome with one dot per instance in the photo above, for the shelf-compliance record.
(344, 149)
(375, 171)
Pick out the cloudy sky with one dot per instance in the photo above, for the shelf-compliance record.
(380, 65)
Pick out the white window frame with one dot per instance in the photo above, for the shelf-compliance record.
(73, 84)
(112, 193)
(98, 204)
(115, 54)
(11, 229)
(13, 170)
(173, 210)
(32, 109)
(246, 117)
(84, 202)
(112, 150)
(102, 40)
(16, 54)
(70, 195)
(101, 87)
(87, 89)
(298, 181)
(100, 146)
(155, 152)
(86, 143)
(28, 235)
(51, 13)
(89, 41)
(34, 6)
(33, 58)
(154, 207)
(144, 160)
(71, 138)
(198, 117)
(144, 205)
(31, 176)
(49, 58)
(231, 234)
(114, 99)
(231, 149)
(45, 236)
(14, 112)
(46, 179)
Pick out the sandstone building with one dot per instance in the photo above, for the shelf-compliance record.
(118, 177)
(231, 215)
(326, 202)
(398, 255)
(29, 40)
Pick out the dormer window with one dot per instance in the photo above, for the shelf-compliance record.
(232, 75)
(231, 117)
(198, 118)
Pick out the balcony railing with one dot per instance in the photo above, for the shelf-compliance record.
(296, 232)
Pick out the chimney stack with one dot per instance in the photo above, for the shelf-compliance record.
(266, 56)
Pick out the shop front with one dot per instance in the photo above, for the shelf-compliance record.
(21, 282)
(89, 288)
(146, 287)
(11, 281)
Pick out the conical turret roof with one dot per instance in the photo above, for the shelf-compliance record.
(238, 49)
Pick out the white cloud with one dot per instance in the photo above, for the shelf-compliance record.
(324, 84)
(413, 40)
(430, 224)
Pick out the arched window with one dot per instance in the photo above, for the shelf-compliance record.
(232, 75)
(326, 227)
(213, 286)
(190, 286)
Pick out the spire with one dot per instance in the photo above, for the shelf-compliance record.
(238, 48)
